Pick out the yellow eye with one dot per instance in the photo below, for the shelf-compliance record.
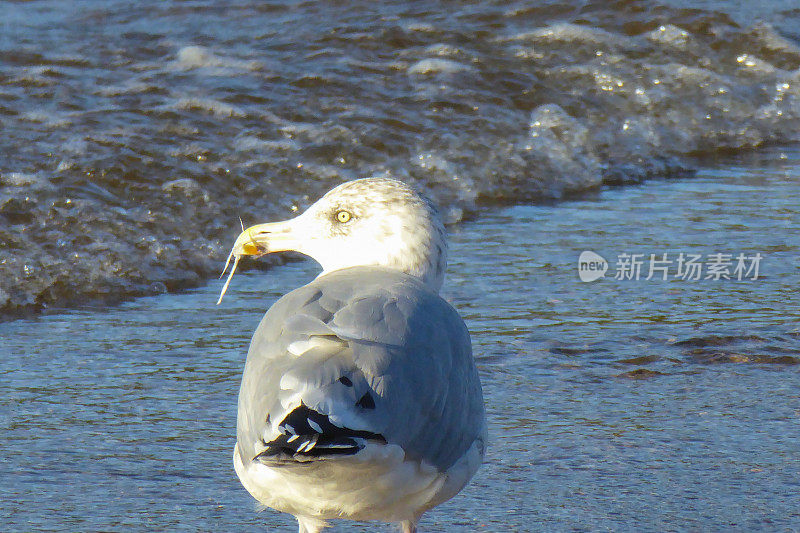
(343, 216)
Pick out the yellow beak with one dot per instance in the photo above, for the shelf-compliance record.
(263, 239)
(259, 240)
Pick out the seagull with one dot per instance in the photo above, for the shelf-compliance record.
(360, 397)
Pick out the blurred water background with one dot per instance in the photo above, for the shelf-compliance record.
(134, 135)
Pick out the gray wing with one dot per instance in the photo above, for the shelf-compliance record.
(357, 355)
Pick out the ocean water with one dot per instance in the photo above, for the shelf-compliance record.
(135, 134)
(613, 405)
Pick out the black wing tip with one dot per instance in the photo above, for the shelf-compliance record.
(308, 434)
(280, 448)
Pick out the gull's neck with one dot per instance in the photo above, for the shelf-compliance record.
(419, 250)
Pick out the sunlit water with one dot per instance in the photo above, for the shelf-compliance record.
(617, 405)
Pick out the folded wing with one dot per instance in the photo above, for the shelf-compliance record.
(357, 356)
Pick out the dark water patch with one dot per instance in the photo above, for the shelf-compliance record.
(640, 373)
(753, 349)
(643, 360)
(576, 351)
(716, 357)
(718, 340)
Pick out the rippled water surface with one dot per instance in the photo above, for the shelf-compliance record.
(624, 405)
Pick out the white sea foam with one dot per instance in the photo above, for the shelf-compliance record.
(26, 180)
(249, 142)
(209, 105)
(567, 33)
(670, 35)
(443, 49)
(200, 57)
(126, 89)
(436, 65)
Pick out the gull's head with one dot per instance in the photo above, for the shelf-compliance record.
(366, 222)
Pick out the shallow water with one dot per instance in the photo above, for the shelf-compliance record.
(134, 134)
(617, 405)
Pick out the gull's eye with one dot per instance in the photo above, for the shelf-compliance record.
(343, 216)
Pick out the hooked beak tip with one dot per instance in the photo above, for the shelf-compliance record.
(263, 239)
(251, 248)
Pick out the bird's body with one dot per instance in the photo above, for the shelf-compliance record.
(360, 397)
